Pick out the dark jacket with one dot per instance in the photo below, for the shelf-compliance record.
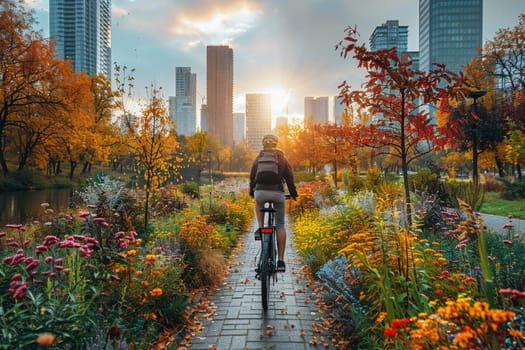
(285, 170)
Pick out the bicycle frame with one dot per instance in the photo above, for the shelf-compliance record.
(266, 266)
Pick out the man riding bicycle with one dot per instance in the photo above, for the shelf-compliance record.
(267, 176)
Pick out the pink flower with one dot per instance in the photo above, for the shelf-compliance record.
(2, 233)
(48, 259)
(32, 265)
(50, 240)
(506, 241)
(14, 225)
(16, 277)
(83, 213)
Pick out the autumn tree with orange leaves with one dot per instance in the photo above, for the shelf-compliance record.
(150, 137)
(34, 87)
(396, 94)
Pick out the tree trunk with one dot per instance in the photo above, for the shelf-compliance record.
(475, 175)
(72, 167)
(3, 163)
(499, 165)
(404, 164)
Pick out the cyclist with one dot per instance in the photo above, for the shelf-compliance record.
(271, 188)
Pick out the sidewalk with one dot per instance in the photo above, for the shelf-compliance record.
(291, 321)
(496, 223)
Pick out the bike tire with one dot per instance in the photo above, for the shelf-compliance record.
(265, 274)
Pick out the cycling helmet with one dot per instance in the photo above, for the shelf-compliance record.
(270, 141)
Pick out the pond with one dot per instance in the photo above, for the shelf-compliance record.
(21, 207)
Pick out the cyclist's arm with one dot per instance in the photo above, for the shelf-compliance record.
(252, 177)
(288, 178)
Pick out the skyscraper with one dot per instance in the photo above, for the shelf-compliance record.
(316, 110)
(182, 107)
(219, 92)
(239, 127)
(81, 30)
(390, 35)
(450, 32)
(258, 119)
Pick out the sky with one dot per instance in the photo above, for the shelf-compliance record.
(282, 47)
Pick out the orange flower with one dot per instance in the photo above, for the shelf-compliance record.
(156, 292)
(45, 339)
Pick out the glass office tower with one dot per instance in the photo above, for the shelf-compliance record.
(81, 30)
(450, 32)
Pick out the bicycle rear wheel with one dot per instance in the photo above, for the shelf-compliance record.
(265, 274)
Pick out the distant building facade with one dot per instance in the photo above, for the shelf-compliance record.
(219, 93)
(450, 32)
(316, 110)
(81, 31)
(281, 120)
(339, 109)
(258, 119)
(204, 117)
(390, 35)
(182, 107)
(239, 127)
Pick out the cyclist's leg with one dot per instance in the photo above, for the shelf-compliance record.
(279, 205)
(260, 196)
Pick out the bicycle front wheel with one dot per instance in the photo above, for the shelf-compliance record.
(265, 275)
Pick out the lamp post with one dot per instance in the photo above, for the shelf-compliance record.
(209, 168)
(475, 95)
(210, 177)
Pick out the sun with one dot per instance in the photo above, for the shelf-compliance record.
(280, 100)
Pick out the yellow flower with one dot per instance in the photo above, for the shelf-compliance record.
(132, 252)
(150, 258)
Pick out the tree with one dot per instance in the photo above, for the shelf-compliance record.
(30, 75)
(502, 62)
(334, 148)
(153, 140)
(395, 94)
(474, 127)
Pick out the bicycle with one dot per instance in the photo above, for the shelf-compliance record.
(266, 266)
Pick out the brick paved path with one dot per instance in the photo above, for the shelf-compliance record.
(291, 321)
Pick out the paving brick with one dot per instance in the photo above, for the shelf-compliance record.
(240, 321)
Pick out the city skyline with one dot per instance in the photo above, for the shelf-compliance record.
(283, 48)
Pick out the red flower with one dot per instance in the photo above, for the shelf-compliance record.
(390, 332)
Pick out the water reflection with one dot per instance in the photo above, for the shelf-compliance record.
(22, 207)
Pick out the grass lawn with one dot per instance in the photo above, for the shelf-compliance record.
(497, 206)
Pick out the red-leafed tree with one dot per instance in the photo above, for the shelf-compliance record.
(398, 97)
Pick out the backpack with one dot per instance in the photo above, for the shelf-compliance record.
(268, 169)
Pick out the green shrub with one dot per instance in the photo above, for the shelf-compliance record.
(513, 189)
(191, 189)
(466, 191)
(304, 176)
(353, 182)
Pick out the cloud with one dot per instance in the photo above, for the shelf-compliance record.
(187, 24)
(214, 25)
